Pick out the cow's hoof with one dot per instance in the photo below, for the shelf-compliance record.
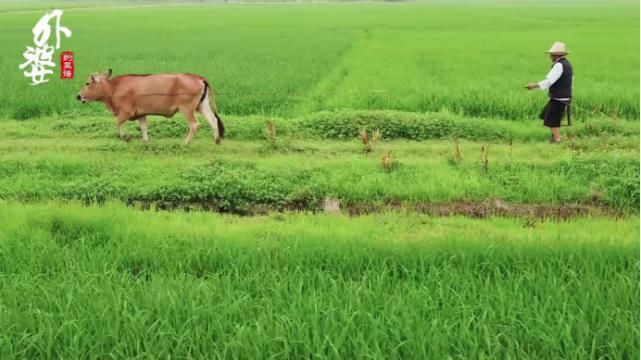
(126, 138)
(218, 141)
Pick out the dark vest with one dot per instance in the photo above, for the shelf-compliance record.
(562, 88)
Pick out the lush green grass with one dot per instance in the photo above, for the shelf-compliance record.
(83, 275)
(290, 60)
(114, 282)
(338, 125)
(299, 172)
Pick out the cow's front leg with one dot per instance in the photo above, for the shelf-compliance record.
(142, 122)
(120, 123)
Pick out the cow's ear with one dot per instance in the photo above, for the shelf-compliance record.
(107, 74)
(93, 78)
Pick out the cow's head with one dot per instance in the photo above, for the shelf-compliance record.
(96, 88)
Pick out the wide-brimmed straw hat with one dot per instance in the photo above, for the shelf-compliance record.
(558, 48)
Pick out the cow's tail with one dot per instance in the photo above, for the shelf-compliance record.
(210, 93)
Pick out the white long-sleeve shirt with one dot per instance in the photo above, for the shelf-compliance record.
(552, 76)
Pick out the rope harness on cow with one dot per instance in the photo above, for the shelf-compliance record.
(568, 104)
(244, 94)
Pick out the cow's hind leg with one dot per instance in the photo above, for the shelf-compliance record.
(142, 122)
(190, 115)
(205, 109)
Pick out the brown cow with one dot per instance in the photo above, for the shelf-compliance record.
(133, 97)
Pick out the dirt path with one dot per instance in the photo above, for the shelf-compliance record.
(472, 209)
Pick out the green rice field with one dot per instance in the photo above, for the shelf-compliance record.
(114, 282)
(471, 58)
(454, 231)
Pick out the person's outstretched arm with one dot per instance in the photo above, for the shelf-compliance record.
(551, 78)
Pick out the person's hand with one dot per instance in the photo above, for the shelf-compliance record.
(531, 86)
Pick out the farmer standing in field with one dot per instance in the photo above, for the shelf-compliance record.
(559, 84)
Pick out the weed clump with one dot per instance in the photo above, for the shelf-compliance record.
(27, 111)
(271, 133)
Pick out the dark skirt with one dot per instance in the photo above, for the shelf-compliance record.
(553, 113)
